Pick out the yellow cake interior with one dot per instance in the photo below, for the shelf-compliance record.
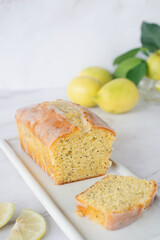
(84, 153)
(118, 193)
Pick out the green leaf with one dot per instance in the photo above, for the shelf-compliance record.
(150, 36)
(124, 67)
(137, 73)
(130, 54)
(126, 55)
(145, 51)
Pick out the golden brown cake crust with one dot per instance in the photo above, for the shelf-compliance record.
(48, 124)
(44, 122)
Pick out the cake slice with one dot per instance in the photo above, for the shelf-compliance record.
(116, 201)
(68, 141)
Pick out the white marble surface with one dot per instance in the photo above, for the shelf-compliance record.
(137, 147)
(45, 43)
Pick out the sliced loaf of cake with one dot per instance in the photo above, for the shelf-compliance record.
(116, 201)
(68, 141)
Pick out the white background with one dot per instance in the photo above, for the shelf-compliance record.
(45, 43)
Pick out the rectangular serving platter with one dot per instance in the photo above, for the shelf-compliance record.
(59, 201)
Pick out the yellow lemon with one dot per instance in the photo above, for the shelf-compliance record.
(6, 212)
(81, 90)
(97, 72)
(153, 63)
(29, 225)
(117, 96)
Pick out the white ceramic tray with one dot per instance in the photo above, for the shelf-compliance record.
(59, 201)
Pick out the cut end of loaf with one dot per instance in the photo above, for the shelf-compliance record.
(82, 155)
(116, 201)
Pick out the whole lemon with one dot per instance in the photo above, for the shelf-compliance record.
(81, 90)
(153, 63)
(97, 72)
(118, 96)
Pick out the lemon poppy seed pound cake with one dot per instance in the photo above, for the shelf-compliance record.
(116, 201)
(65, 139)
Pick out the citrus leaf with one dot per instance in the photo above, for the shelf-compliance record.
(126, 55)
(137, 73)
(145, 51)
(150, 36)
(123, 68)
(130, 54)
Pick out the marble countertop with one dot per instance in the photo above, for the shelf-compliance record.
(137, 147)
